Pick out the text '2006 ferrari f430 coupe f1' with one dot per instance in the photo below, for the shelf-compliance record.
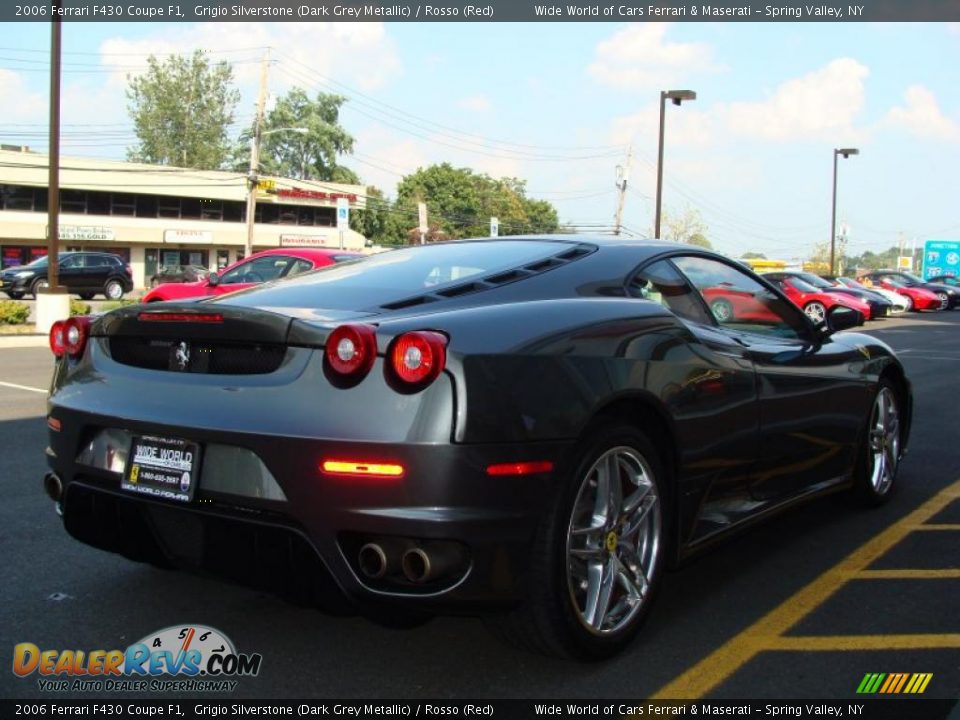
(529, 428)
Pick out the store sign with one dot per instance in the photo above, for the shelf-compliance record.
(304, 241)
(204, 237)
(83, 232)
(301, 194)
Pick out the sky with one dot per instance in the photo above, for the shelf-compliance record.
(558, 104)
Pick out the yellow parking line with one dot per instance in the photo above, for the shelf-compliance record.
(907, 574)
(723, 662)
(939, 526)
(842, 643)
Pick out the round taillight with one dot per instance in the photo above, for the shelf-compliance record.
(56, 338)
(351, 349)
(417, 358)
(75, 331)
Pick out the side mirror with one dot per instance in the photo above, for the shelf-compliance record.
(213, 279)
(841, 318)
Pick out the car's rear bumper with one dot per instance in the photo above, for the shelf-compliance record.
(307, 537)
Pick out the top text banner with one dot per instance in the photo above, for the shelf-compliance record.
(478, 11)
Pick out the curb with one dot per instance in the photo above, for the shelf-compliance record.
(22, 341)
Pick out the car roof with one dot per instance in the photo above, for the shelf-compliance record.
(306, 253)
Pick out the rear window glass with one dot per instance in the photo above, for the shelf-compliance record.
(400, 274)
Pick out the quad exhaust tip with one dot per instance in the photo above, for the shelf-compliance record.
(372, 560)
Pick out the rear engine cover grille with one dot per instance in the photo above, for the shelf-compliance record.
(214, 358)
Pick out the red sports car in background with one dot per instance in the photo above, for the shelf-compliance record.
(920, 298)
(816, 303)
(259, 268)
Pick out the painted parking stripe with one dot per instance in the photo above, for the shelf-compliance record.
(23, 387)
(767, 632)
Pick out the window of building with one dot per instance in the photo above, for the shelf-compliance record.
(211, 209)
(190, 208)
(168, 207)
(73, 201)
(98, 203)
(123, 204)
(16, 197)
(147, 206)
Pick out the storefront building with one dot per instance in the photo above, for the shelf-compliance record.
(156, 216)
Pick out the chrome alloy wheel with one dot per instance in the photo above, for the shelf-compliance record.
(816, 312)
(884, 446)
(613, 541)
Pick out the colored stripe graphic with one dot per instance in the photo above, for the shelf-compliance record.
(894, 683)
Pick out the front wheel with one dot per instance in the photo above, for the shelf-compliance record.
(944, 300)
(881, 449)
(599, 555)
(722, 310)
(113, 290)
(15, 295)
(816, 312)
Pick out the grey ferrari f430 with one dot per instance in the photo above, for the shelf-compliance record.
(531, 428)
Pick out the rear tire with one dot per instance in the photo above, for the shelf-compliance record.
(881, 449)
(113, 290)
(599, 552)
(86, 296)
(38, 285)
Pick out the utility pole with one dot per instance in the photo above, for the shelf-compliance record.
(623, 176)
(253, 176)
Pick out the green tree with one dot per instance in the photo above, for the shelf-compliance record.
(686, 227)
(181, 108)
(460, 204)
(372, 222)
(309, 155)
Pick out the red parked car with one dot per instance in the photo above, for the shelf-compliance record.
(920, 298)
(816, 303)
(259, 268)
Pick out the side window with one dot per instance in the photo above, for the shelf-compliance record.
(661, 283)
(70, 263)
(739, 302)
(300, 266)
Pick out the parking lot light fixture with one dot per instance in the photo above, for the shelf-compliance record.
(676, 97)
(846, 152)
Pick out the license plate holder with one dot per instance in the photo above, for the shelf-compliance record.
(162, 467)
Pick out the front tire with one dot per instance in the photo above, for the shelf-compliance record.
(15, 295)
(816, 312)
(944, 300)
(599, 554)
(880, 449)
(722, 310)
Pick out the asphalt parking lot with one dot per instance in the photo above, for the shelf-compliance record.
(804, 607)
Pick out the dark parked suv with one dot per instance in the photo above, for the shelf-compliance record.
(84, 273)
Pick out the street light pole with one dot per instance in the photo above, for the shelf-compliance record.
(846, 152)
(677, 97)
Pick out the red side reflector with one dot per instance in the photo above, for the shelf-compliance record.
(524, 468)
(362, 469)
(180, 317)
(53, 424)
